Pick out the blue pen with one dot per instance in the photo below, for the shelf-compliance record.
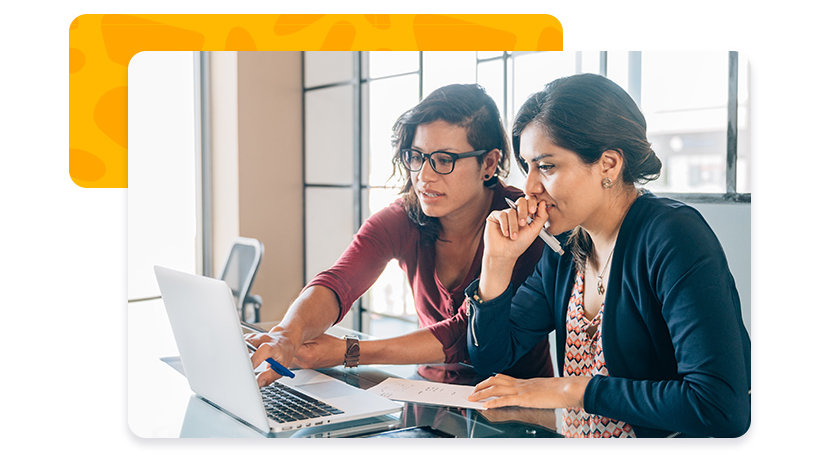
(273, 364)
(277, 367)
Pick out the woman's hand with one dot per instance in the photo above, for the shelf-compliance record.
(506, 236)
(275, 344)
(540, 392)
(323, 351)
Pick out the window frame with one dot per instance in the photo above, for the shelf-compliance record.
(360, 97)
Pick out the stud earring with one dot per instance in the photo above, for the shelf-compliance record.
(607, 183)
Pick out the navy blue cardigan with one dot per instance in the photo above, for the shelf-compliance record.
(677, 352)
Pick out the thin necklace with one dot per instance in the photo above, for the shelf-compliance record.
(600, 287)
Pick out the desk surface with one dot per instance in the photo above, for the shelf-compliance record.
(161, 404)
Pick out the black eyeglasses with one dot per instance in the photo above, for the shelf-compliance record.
(441, 162)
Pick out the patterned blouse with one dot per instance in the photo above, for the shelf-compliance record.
(583, 357)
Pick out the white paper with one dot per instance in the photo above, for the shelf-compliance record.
(421, 391)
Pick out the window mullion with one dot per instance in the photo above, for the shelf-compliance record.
(357, 167)
(635, 76)
(732, 122)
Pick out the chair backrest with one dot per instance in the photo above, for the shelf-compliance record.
(241, 267)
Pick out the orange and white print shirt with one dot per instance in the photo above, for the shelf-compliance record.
(583, 357)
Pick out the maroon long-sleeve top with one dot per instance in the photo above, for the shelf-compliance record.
(389, 234)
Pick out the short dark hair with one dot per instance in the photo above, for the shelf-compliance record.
(589, 114)
(467, 106)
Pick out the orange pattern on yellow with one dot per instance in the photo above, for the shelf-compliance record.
(101, 46)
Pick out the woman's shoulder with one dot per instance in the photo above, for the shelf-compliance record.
(665, 222)
(665, 216)
(394, 209)
(392, 217)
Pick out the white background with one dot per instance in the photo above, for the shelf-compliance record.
(64, 249)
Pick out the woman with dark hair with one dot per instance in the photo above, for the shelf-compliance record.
(649, 335)
(451, 149)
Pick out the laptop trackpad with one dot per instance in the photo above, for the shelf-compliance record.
(328, 389)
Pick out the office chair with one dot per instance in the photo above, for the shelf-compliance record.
(239, 273)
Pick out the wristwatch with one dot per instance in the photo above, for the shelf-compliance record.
(351, 351)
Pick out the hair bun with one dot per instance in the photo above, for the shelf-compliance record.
(647, 168)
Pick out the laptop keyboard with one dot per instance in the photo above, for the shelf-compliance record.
(284, 404)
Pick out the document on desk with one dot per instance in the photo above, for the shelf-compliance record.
(421, 391)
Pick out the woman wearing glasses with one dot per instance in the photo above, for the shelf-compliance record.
(451, 150)
(649, 335)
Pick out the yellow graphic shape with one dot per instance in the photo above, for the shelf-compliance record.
(107, 114)
(289, 24)
(88, 167)
(76, 60)
(125, 35)
(240, 40)
(430, 33)
(101, 47)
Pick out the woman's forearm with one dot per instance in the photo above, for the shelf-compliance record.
(418, 347)
(496, 275)
(313, 312)
(507, 235)
(538, 392)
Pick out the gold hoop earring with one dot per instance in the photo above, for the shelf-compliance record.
(607, 183)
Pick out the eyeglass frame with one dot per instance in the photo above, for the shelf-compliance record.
(427, 156)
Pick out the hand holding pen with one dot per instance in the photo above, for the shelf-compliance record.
(507, 234)
(548, 239)
(274, 365)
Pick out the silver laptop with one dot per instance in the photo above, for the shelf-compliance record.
(216, 362)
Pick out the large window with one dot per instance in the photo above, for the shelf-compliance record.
(695, 103)
(162, 215)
